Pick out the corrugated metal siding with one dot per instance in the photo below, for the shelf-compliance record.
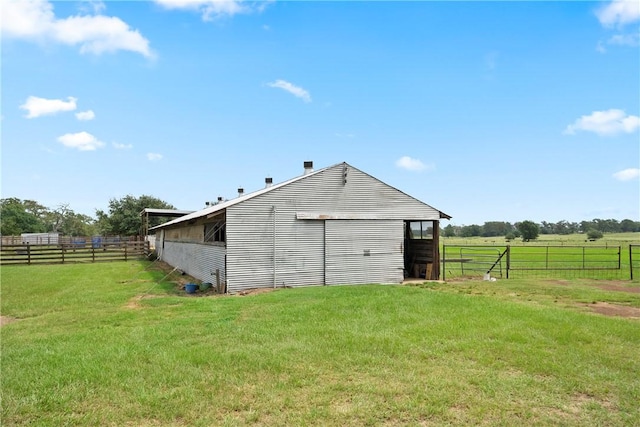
(364, 251)
(300, 243)
(299, 249)
(198, 260)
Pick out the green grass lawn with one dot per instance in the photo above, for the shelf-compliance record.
(104, 344)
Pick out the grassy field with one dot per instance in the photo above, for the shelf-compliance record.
(622, 239)
(564, 256)
(106, 345)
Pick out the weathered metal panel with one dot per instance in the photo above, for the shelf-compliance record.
(292, 252)
(364, 251)
(251, 234)
(198, 260)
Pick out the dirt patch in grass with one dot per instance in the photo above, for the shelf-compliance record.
(619, 288)
(609, 309)
(134, 302)
(255, 291)
(5, 320)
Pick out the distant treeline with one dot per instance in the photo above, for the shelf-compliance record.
(501, 228)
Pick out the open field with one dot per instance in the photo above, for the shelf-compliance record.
(616, 239)
(104, 344)
(550, 256)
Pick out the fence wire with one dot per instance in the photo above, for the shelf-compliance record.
(554, 262)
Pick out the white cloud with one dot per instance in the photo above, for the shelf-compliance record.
(85, 115)
(292, 89)
(37, 107)
(119, 146)
(411, 164)
(92, 6)
(210, 9)
(83, 141)
(605, 123)
(631, 39)
(619, 13)
(627, 174)
(35, 20)
(152, 157)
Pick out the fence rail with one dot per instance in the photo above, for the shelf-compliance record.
(77, 252)
(545, 261)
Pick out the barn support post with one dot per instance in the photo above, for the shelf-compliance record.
(436, 251)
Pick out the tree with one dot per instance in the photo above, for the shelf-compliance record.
(449, 231)
(627, 225)
(21, 216)
(496, 228)
(470, 230)
(528, 229)
(124, 215)
(594, 234)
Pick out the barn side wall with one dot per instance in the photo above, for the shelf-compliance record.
(198, 260)
(267, 245)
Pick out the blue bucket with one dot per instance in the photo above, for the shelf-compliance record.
(190, 288)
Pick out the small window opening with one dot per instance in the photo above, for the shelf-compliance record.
(215, 232)
(419, 230)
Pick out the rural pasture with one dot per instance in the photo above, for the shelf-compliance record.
(550, 256)
(106, 344)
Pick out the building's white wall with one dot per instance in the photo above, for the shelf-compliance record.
(300, 244)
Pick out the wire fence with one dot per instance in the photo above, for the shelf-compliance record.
(550, 261)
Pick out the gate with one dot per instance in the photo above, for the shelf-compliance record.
(545, 261)
(634, 261)
(475, 260)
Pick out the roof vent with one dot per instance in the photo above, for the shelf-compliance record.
(219, 199)
(268, 182)
(308, 167)
(240, 191)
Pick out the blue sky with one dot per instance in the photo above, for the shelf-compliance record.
(488, 111)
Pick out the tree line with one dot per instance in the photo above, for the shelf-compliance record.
(531, 230)
(123, 218)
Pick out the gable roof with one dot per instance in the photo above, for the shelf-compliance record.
(212, 210)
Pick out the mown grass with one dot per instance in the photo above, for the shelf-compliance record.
(104, 345)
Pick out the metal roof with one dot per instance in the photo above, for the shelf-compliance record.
(223, 205)
(164, 212)
(211, 210)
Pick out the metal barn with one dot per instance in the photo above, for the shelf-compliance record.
(336, 225)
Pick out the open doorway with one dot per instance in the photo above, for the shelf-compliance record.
(421, 255)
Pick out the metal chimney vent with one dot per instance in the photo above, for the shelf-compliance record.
(268, 182)
(308, 167)
(240, 191)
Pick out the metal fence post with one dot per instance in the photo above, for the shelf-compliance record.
(508, 259)
(28, 253)
(631, 261)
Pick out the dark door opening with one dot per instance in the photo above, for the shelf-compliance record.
(421, 255)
